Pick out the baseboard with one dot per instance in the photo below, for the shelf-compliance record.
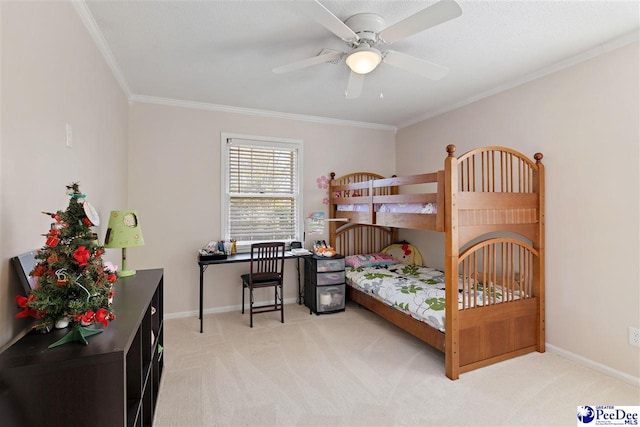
(607, 370)
(226, 309)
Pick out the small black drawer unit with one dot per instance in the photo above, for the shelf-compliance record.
(324, 284)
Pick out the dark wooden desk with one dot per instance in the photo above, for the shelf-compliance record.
(244, 257)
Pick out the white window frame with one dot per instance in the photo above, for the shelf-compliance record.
(258, 141)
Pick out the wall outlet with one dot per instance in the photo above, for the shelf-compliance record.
(634, 336)
(69, 142)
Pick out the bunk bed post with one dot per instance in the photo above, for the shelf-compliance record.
(452, 344)
(394, 231)
(440, 202)
(539, 267)
(372, 210)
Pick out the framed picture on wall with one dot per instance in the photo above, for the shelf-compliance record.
(24, 264)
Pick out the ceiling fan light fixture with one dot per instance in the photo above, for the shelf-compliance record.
(363, 59)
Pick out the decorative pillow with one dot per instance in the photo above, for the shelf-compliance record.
(404, 252)
(370, 260)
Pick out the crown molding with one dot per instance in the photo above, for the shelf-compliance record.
(574, 60)
(260, 113)
(98, 38)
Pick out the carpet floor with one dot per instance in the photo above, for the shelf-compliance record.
(355, 369)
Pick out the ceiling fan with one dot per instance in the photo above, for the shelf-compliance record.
(365, 32)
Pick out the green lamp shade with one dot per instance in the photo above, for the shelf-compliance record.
(124, 232)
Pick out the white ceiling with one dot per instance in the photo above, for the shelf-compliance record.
(221, 53)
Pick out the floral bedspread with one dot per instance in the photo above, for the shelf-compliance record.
(416, 290)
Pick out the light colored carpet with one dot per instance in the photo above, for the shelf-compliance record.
(355, 369)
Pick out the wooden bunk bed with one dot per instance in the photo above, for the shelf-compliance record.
(487, 192)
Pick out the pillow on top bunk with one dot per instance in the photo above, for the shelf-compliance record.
(370, 260)
(404, 252)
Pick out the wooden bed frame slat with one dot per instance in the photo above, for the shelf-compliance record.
(424, 178)
(497, 216)
(485, 191)
(505, 201)
(406, 220)
(352, 200)
(467, 233)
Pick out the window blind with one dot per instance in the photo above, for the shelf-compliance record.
(263, 190)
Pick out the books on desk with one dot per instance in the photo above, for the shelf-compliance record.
(204, 255)
(300, 251)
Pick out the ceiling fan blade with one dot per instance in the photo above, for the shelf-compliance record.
(443, 11)
(415, 65)
(304, 63)
(323, 16)
(354, 86)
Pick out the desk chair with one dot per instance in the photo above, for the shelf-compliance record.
(266, 270)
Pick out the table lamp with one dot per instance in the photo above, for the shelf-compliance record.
(124, 232)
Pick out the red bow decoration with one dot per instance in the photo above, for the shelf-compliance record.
(406, 249)
(82, 255)
(23, 302)
(86, 318)
(102, 316)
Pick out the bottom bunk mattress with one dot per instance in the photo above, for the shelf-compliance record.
(419, 291)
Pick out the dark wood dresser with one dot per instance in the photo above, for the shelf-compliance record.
(113, 381)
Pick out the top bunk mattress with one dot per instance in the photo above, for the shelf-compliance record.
(420, 208)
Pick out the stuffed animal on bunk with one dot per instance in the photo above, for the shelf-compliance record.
(404, 252)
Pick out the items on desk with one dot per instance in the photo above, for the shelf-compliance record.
(213, 250)
(300, 251)
(220, 247)
(210, 256)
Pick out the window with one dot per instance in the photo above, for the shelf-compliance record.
(261, 198)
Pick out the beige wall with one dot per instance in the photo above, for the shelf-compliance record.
(52, 74)
(585, 120)
(174, 183)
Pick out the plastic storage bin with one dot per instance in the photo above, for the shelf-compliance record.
(330, 298)
(330, 265)
(332, 278)
(324, 284)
